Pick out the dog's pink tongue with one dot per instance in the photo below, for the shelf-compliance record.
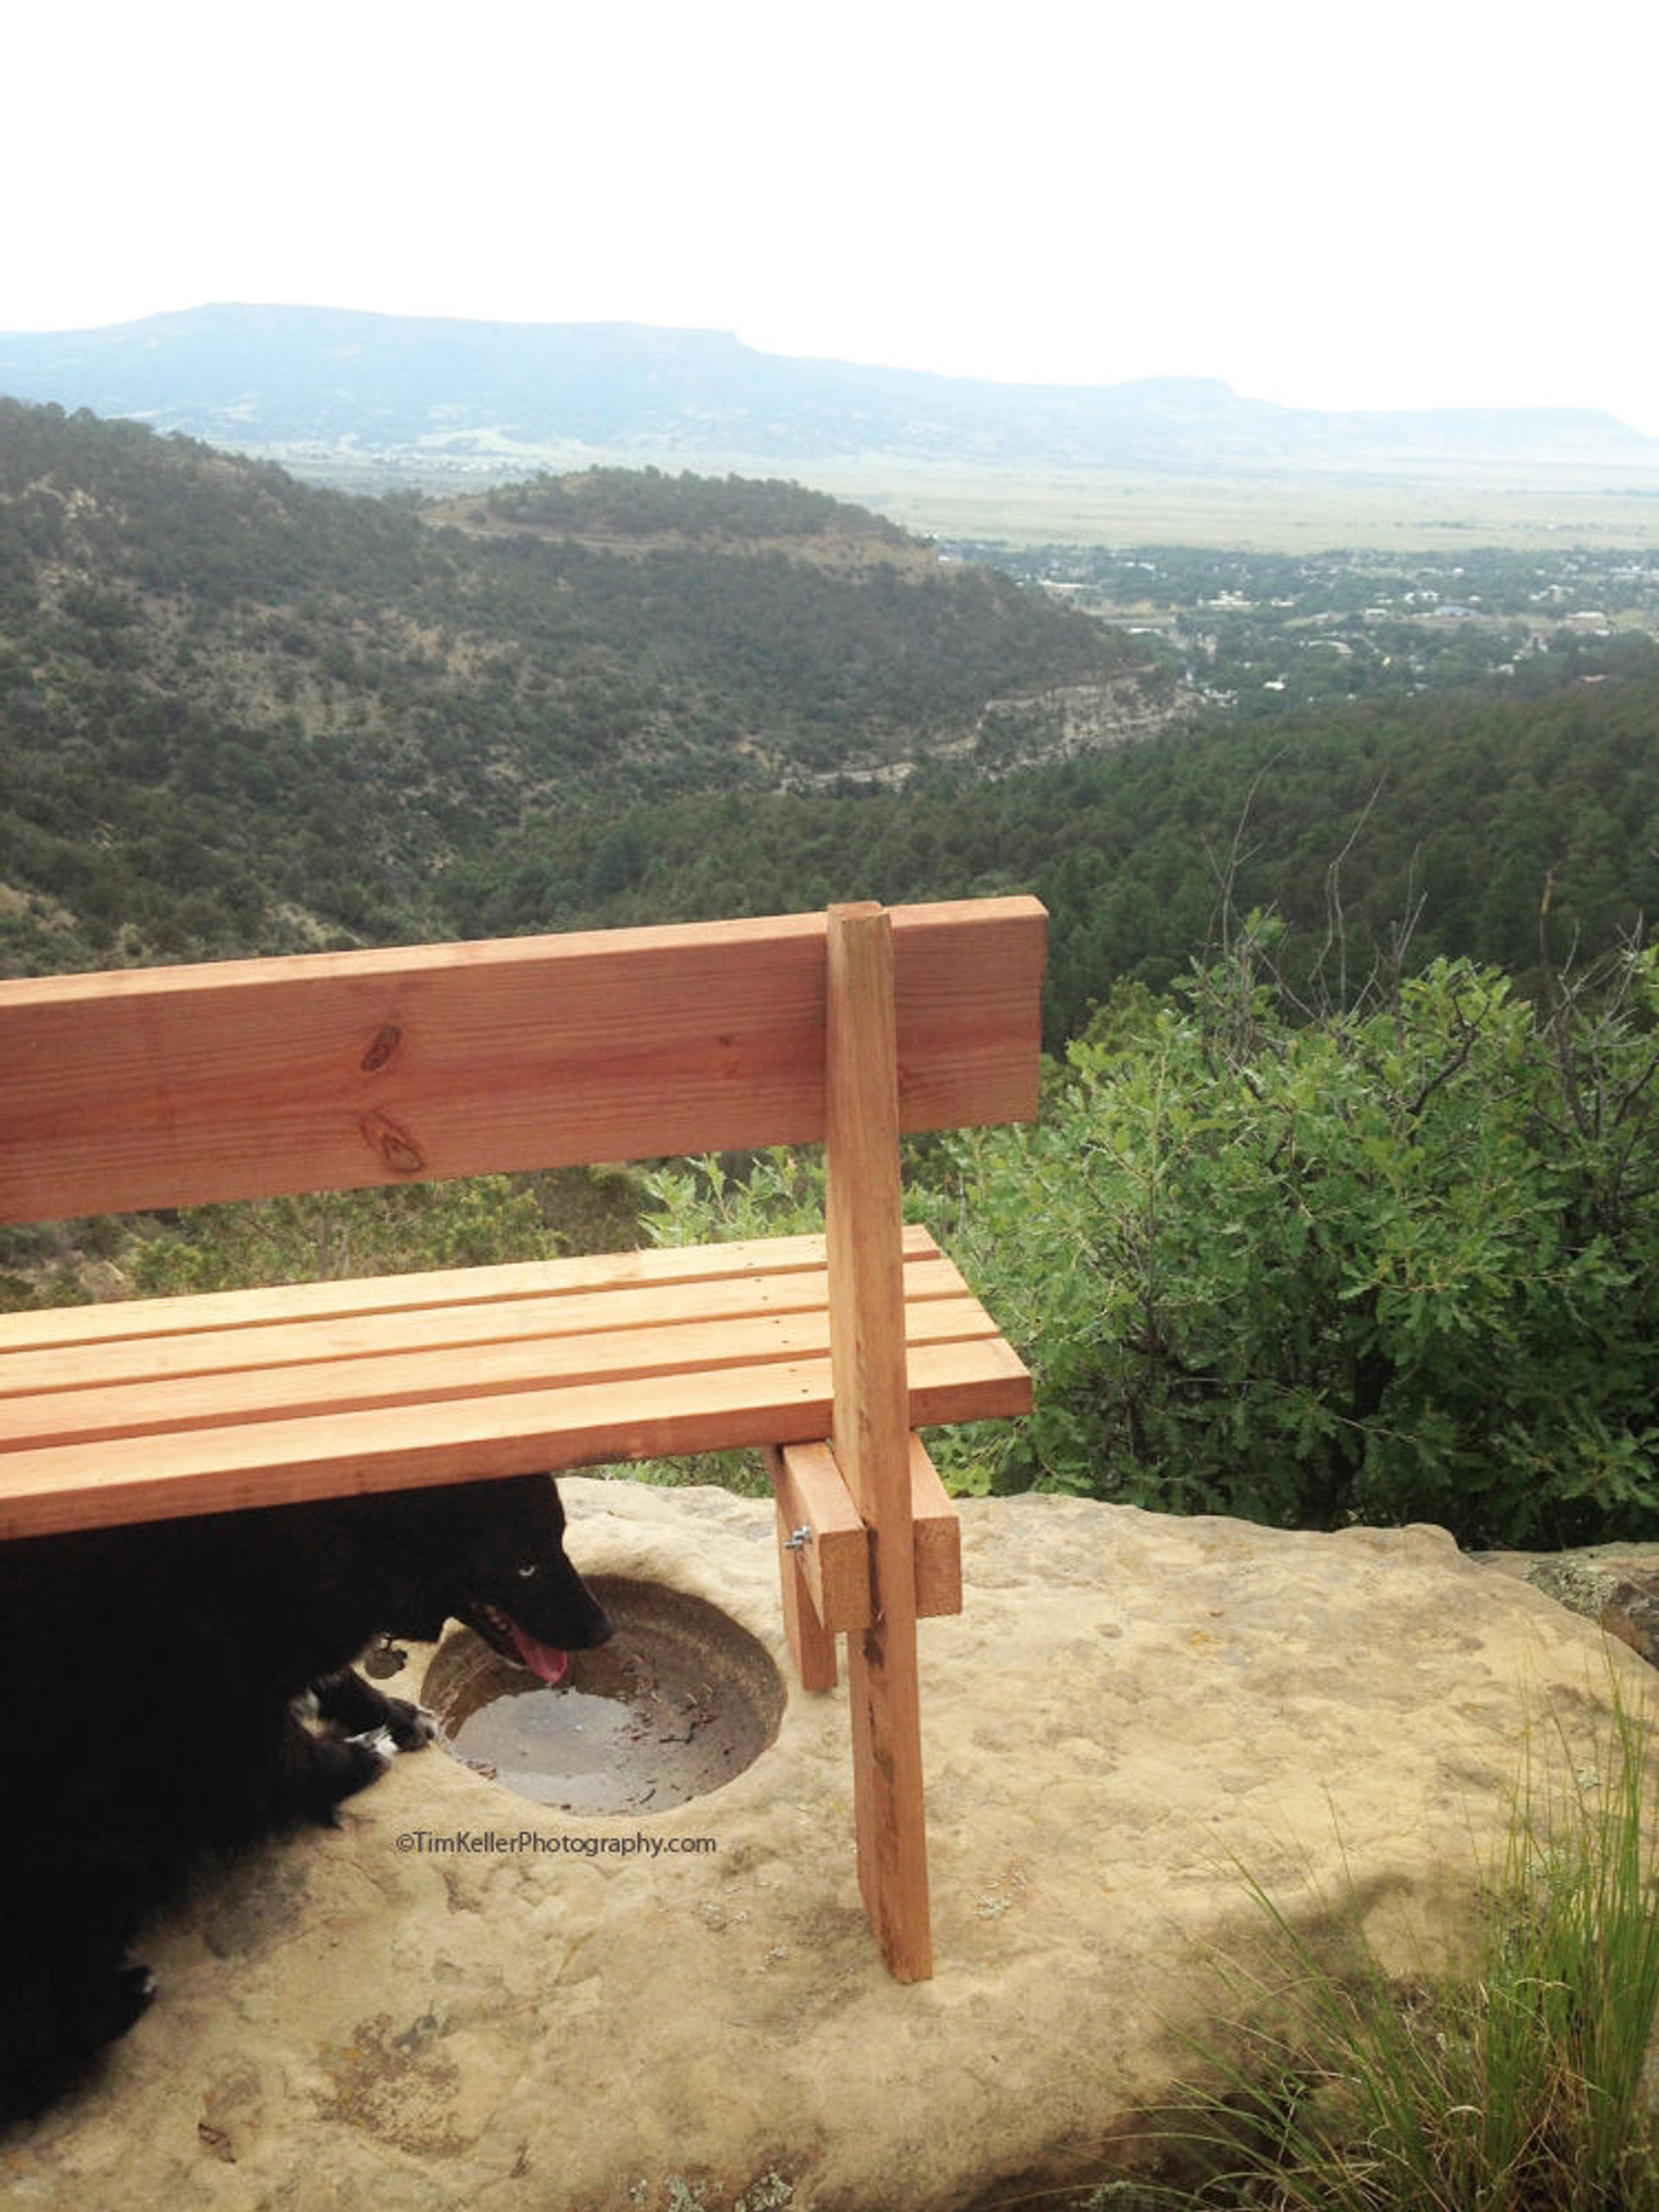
(541, 1658)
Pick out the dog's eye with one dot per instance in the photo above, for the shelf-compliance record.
(524, 1572)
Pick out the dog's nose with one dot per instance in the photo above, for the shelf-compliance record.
(600, 1629)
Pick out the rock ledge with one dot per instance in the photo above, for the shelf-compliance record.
(1131, 1708)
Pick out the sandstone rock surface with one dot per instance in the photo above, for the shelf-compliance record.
(1130, 1707)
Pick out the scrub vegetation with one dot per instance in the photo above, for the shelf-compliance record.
(1516, 2078)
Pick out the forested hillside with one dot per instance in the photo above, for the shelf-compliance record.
(240, 714)
(238, 711)
(1442, 827)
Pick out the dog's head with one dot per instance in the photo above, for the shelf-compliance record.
(491, 1554)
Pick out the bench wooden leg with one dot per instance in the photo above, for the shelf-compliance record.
(887, 1800)
(811, 1642)
(871, 1432)
(829, 1582)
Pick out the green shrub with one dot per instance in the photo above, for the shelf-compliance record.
(1388, 1266)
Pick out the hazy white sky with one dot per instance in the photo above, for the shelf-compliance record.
(1328, 202)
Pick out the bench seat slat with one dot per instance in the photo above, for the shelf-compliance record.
(274, 1462)
(140, 1407)
(444, 1286)
(619, 1311)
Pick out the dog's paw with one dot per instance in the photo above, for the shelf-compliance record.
(338, 1766)
(412, 1727)
(376, 1748)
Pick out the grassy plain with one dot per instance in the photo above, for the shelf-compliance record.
(1425, 511)
(1268, 513)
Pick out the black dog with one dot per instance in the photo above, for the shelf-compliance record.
(154, 1679)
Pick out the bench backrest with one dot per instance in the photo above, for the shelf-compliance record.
(167, 1087)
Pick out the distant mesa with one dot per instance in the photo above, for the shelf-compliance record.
(442, 398)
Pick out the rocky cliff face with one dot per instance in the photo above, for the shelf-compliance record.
(1130, 1709)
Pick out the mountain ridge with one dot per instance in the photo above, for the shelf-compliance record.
(283, 380)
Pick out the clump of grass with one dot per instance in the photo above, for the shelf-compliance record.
(1524, 2080)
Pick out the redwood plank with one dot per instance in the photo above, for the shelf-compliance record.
(167, 1087)
(289, 1392)
(870, 1428)
(811, 1644)
(204, 1471)
(655, 1265)
(835, 1563)
(939, 1538)
(628, 1314)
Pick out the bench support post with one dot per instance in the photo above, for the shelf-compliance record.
(871, 1428)
(811, 1643)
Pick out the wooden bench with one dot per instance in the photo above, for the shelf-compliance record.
(148, 1088)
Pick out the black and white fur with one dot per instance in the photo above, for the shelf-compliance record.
(155, 1678)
